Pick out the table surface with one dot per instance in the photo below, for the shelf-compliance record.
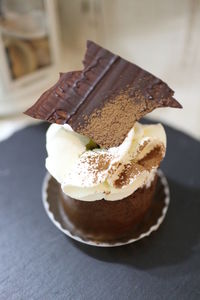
(39, 262)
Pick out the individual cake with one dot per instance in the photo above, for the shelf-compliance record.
(104, 160)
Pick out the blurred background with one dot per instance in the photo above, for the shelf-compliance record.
(42, 37)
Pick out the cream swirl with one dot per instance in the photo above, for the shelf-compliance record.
(110, 174)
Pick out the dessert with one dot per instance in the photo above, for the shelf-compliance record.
(104, 160)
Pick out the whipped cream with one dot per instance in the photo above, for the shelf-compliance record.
(64, 147)
(110, 174)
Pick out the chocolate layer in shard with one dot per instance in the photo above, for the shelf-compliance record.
(105, 99)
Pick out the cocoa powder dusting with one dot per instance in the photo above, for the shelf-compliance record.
(109, 125)
(152, 159)
(96, 165)
(131, 170)
(141, 147)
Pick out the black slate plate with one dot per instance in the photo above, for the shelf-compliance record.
(39, 262)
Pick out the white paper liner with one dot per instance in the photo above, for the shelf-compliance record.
(101, 244)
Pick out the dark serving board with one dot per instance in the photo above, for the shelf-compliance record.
(39, 262)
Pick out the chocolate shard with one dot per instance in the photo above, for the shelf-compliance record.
(105, 99)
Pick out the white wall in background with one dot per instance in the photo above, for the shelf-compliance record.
(161, 36)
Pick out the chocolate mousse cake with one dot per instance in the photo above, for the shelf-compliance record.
(104, 161)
